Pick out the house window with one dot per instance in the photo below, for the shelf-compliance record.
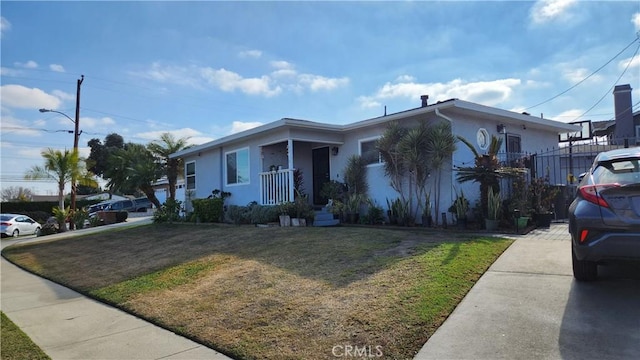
(191, 175)
(369, 151)
(637, 134)
(514, 149)
(238, 167)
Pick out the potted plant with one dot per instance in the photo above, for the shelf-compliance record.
(352, 207)
(543, 195)
(460, 208)
(285, 218)
(494, 207)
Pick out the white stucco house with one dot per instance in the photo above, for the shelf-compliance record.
(242, 163)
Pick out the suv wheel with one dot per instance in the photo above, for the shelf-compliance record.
(583, 270)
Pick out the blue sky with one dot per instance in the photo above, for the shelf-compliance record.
(209, 69)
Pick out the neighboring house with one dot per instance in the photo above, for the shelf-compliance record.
(258, 164)
(161, 189)
(100, 196)
(625, 128)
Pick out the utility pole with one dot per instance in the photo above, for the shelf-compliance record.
(76, 138)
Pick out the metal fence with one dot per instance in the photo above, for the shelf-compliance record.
(562, 166)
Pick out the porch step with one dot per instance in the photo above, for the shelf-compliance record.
(324, 218)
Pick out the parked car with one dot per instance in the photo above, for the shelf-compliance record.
(98, 207)
(604, 217)
(135, 205)
(16, 225)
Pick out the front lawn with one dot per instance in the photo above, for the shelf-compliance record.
(274, 293)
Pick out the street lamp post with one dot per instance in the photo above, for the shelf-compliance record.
(76, 138)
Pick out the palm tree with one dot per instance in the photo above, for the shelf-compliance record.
(487, 170)
(413, 147)
(135, 167)
(62, 166)
(394, 164)
(440, 146)
(172, 166)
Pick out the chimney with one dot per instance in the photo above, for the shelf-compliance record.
(424, 99)
(624, 115)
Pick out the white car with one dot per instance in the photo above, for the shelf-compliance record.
(16, 225)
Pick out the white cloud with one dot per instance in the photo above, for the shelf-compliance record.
(635, 19)
(195, 137)
(250, 54)
(631, 63)
(238, 126)
(19, 96)
(405, 78)
(484, 92)
(568, 115)
(93, 123)
(283, 78)
(544, 11)
(28, 65)
(56, 68)
(11, 126)
(5, 25)
(317, 82)
(9, 72)
(63, 95)
(281, 64)
(230, 81)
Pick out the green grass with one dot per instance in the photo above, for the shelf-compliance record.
(276, 293)
(16, 345)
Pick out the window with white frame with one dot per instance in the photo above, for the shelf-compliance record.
(369, 151)
(237, 165)
(191, 175)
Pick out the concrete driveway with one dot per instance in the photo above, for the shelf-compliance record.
(528, 306)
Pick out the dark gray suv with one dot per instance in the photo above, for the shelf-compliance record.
(604, 218)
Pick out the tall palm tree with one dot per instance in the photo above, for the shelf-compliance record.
(413, 147)
(136, 168)
(487, 170)
(166, 146)
(440, 146)
(62, 166)
(394, 165)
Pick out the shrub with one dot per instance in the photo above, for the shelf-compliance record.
(261, 214)
(39, 216)
(238, 214)
(375, 214)
(79, 217)
(208, 210)
(169, 212)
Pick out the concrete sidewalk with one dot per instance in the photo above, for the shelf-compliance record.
(68, 325)
(528, 306)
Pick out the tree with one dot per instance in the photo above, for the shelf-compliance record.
(487, 170)
(62, 166)
(413, 148)
(97, 162)
(394, 165)
(16, 193)
(135, 167)
(411, 155)
(440, 146)
(161, 149)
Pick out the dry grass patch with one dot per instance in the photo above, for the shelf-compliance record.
(278, 293)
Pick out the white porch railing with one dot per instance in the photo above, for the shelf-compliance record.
(276, 187)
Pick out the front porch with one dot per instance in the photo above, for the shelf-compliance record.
(276, 187)
(290, 165)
